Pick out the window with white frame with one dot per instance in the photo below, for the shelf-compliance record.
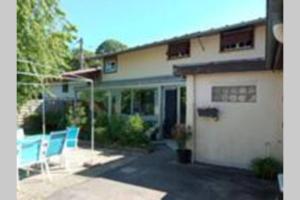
(110, 65)
(235, 94)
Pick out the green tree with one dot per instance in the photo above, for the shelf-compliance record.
(109, 46)
(75, 61)
(43, 36)
(88, 63)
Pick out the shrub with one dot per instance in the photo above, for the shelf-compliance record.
(33, 124)
(121, 131)
(134, 134)
(77, 115)
(136, 124)
(101, 135)
(116, 127)
(55, 120)
(266, 168)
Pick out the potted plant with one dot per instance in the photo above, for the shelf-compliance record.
(181, 134)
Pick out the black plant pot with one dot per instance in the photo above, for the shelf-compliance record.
(184, 156)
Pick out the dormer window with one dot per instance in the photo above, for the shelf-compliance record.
(237, 39)
(110, 64)
(179, 50)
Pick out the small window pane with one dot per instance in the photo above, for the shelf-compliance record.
(110, 64)
(234, 94)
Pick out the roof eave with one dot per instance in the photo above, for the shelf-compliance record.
(221, 67)
(259, 21)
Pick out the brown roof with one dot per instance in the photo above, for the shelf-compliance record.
(257, 64)
(88, 73)
(212, 31)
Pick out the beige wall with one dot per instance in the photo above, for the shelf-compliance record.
(243, 129)
(153, 61)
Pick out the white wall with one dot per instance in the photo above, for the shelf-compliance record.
(243, 129)
(56, 92)
(153, 61)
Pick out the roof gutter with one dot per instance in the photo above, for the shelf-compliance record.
(259, 21)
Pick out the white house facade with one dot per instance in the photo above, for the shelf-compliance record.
(221, 70)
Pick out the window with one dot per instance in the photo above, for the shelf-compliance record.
(234, 94)
(237, 39)
(179, 49)
(65, 88)
(110, 65)
(144, 102)
(126, 102)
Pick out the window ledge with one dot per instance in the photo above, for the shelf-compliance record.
(236, 49)
(179, 57)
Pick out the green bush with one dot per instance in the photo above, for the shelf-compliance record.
(59, 118)
(266, 168)
(136, 124)
(77, 115)
(33, 124)
(55, 120)
(121, 131)
(101, 135)
(116, 127)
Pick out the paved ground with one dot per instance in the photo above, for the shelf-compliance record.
(37, 186)
(157, 176)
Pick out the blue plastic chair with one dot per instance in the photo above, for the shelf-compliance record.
(57, 144)
(32, 152)
(72, 137)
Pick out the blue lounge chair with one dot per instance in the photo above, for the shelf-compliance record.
(72, 137)
(32, 152)
(57, 144)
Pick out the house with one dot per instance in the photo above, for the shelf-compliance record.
(142, 80)
(169, 81)
(68, 89)
(247, 93)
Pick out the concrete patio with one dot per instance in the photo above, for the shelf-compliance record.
(154, 176)
(38, 186)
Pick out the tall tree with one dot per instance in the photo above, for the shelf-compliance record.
(43, 36)
(75, 61)
(109, 46)
(88, 63)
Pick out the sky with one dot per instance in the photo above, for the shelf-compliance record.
(136, 22)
